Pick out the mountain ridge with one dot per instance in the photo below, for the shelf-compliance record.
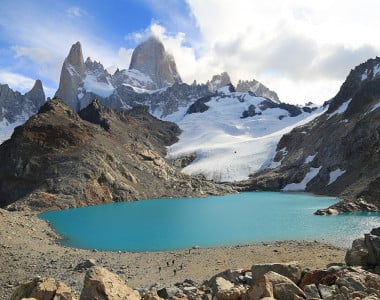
(16, 108)
(337, 153)
(61, 159)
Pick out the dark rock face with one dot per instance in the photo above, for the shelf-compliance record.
(365, 252)
(292, 109)
(344, 143)
(60, 159)
(199, 106)
(151, 58)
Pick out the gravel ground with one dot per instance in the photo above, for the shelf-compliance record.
(29, 248)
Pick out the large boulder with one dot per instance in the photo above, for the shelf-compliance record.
(373, 245)
(43, 289)
(101, 284)
(358, 254)
(283, 287)
(291, 270)
(365, 252)
(263, 288)
(219, 284)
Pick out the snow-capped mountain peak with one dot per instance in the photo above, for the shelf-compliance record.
(16, 108)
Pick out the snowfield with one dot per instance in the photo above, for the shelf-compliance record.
(230, 148)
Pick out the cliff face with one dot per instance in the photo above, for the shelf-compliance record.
(151, 58)
(72, 74)
(61, 159)
(339, 152)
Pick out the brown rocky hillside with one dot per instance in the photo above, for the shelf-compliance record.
(61, 159)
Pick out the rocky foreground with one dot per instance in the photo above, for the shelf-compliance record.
(34, 265)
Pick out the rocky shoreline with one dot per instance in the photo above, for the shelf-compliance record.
(30, 248)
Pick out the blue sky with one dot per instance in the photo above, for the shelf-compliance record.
(301, 49)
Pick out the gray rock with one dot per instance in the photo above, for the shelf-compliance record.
(373, 245)
(16, 108)
(218, 284)
(151, 58)
(357, 255)
(287, 291)
(283, 287)
(230, 275)
(72, 75)
(88, 263)
(290, 270)
(311, 291)
(168, 292)
(219, 81)
(258, 89)
(327, 292)
(375, 231)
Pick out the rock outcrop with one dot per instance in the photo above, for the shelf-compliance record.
(72, 75)
(99, 283)
(43, 289)
(151, 58)
(365, 252)
(16, 108)
(218, 81)
(61, 159)
(258, 89)
(337, 153)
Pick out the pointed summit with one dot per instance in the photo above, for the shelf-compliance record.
(258, 89)
(36, 94)
(72, 74)
(75, 57)
(151, 58)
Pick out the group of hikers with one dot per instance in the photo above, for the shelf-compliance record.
(181, 266)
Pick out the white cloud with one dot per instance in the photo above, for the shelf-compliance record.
(21, 83)
(301, 49)
(75, 12)
(42, 40)
(17, 82)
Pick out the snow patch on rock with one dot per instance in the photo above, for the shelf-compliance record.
(301, 186)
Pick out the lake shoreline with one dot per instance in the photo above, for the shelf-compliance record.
(31, 248)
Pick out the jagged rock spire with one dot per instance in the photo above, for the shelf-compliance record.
(71, 76)
(75, 57)
(36, 94)
(151, 58)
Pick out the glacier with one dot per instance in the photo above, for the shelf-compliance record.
(228, 147)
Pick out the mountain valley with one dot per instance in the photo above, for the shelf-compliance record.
(242, 135)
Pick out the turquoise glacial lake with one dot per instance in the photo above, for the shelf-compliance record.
(245, 218)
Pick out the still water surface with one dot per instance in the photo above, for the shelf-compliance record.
(166, 224)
